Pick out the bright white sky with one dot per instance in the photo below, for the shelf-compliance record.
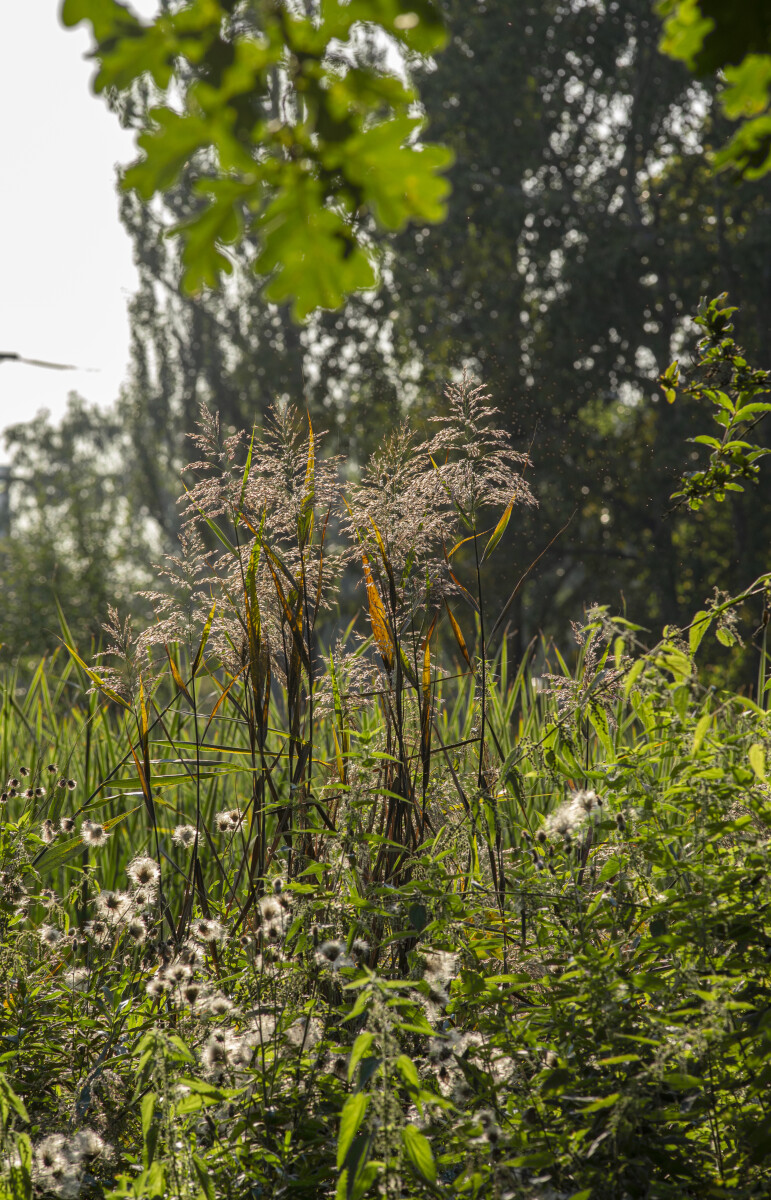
(66, 271)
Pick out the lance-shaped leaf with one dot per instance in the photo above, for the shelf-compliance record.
(305, 519)
(499, 530)
(385, 558)
(245, 477)
(350, 1119)
(92, 675)
(222, 697)
(418, 1149)
(459, 636)
(465, 593)
(377, 616)
(221, 537)
(179, 681)
(425, 716)
(204, 638)
(290, 615)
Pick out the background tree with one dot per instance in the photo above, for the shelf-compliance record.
(584, 226)
(81, 535)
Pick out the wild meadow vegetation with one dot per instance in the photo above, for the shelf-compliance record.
(386, 913)
(327, 879)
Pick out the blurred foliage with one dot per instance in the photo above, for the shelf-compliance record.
(301, 136)
(585, 226)
(80, 534)
(722, 376)
(232, 969)
(734, 39)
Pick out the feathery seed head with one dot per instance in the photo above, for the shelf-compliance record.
(207, 930)
(98, 930)
(218, 1005)
(50, 936)
(48, 832)
(184, 835)
(332, 954)
(115, 907)
(93, 834)
(143, 871)
(136, 929)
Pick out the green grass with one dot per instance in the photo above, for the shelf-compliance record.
(473, 928)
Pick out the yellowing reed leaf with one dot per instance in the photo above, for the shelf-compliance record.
(377, 617)
(499, 530)
(458, 636)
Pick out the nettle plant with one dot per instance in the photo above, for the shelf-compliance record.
(338, 919)
(738, 393)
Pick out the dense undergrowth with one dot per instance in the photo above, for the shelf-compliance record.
(391, 915)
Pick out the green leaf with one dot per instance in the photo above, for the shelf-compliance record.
(147, 1109)
(417, 23)
(610, 868)
(92, 675)
(310, 251)
(682, 1082)
(204, 639)
(757, 757)
(168, 148)
(107, 17)
(350, 1120)
(11, 1099)
(684, 31)
(603, 1102)
(418, 1151)
(204, 1178)
(406, 1068)
(360, 1048)
(699, 626)
(499, 530)
(700, 731)
(399, 182)
(599, 720)
(220, 222)
(747, 89)
(633, 674)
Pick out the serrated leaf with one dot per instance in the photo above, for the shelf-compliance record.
(418, 1150)
(699, 626)
(499, 530)
(700, 732)
(360, 1048)
(350, 1119)
(406, 1068)
(757, 757)
(377, 616)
